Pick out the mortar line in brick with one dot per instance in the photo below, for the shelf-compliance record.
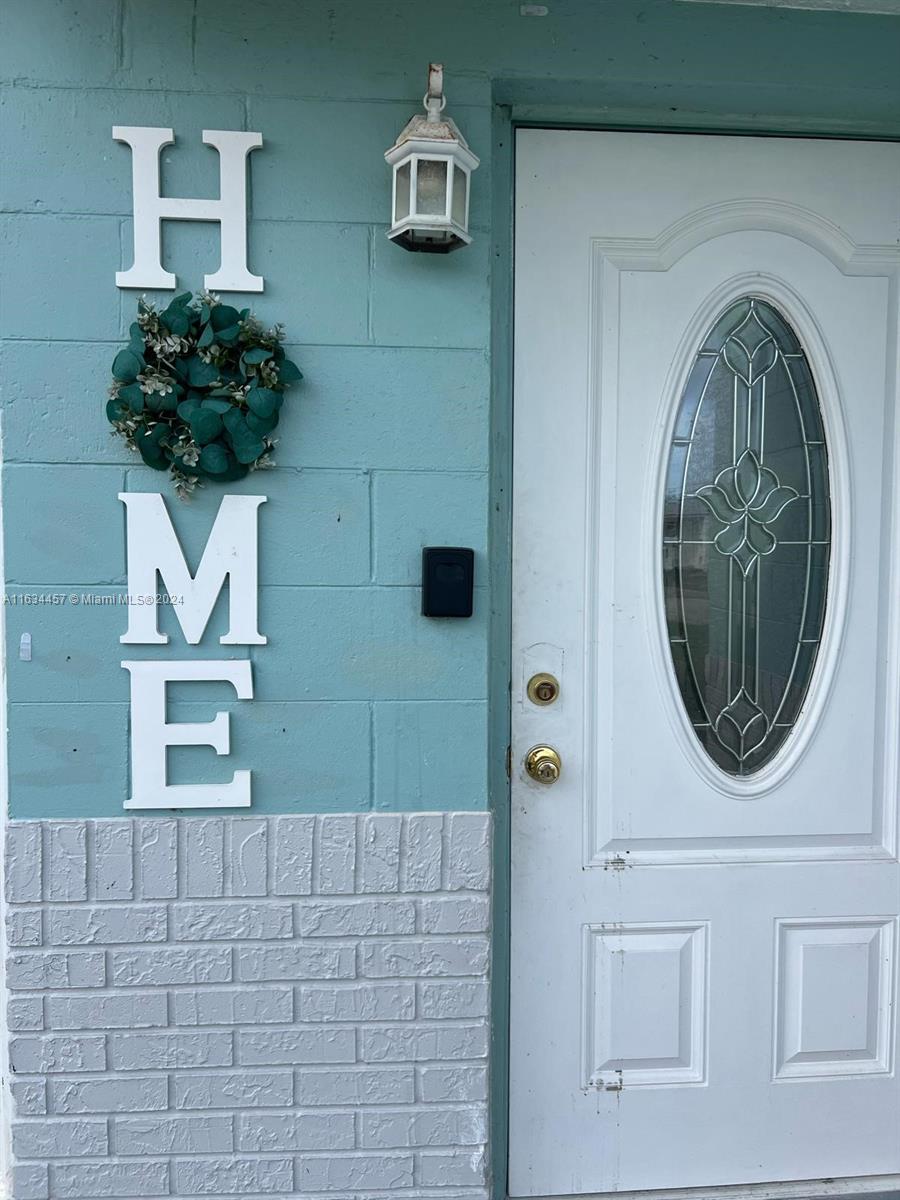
(271, 847)
(122, 239)
(44, 841)
(359, 848)
(371, 491)
(313, 859)
(301, 900)
(371, 754)
(90, 862)
(445, 853)
(228, 864)
(370, 282)
(423, 348)
(36, 85)
(21, 585)
(137, 881)
(180, 865)
(194, 37)
(403, 853)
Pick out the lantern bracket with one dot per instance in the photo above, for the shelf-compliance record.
(434, 99)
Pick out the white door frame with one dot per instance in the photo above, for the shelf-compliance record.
(880, 1186)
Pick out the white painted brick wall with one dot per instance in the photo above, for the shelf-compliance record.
(249, 1007)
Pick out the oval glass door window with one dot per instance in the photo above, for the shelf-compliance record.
(746, 536)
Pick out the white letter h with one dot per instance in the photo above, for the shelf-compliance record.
(150, 208)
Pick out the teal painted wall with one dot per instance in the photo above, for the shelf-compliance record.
(394, 440)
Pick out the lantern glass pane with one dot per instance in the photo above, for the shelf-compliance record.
(401, 192)
(460, 187)
(431, 188)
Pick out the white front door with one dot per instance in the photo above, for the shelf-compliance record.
(706, 557)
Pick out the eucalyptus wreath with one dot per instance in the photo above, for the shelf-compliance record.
(198, 390)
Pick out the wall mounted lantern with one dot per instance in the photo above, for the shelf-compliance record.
(432, 167)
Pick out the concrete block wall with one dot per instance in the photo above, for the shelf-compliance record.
(249, 1006)
(383, 448)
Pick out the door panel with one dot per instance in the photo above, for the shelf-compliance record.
(703, 959)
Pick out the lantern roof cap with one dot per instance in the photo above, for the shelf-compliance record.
(422, 127)
(432, 126)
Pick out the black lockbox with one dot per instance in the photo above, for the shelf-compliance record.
(448, 579)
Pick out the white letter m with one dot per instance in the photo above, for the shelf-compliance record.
(231, 553)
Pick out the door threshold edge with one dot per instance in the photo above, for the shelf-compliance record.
(874, 1186)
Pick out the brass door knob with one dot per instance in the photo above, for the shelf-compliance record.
(543, 764)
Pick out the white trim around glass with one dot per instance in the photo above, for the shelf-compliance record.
(706, 556)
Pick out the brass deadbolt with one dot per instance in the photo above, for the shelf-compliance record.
(543, 688)
(543, 764)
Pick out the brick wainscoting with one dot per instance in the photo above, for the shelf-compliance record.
(247, 1007)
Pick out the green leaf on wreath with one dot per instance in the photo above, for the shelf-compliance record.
(136, 339)
(234, 422)
(133, 397)
(229, 335)
(261, 424)
(176, 320)
(147, 442)
(217, 406)
(223, 315)
(214, 459)
(249, 451)
(127, 366)
(289, 372)
(258, 354)
(205, 426)
(116, 409)
(187, 408)
(179, 368)
(207, 337)
(263, 401)
(201, 374)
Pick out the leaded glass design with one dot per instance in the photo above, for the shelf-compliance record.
(746, 536)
